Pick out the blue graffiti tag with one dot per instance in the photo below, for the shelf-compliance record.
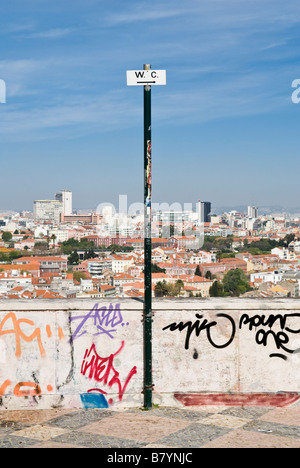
(93, 400)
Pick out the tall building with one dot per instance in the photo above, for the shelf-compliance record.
(52, 210)
(47, 210)
(203, 210)
(65, 197)
(252, 211)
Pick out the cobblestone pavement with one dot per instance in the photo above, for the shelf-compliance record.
(164, 428)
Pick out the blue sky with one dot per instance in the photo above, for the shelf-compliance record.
(224, 129)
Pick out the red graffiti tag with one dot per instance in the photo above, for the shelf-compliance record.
(102, 370)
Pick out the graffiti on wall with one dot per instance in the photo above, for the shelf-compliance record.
(86, 359)
(10, 325)
(28, 345)
(104, 320)
(24, 331)
(275, 330)
(102, 370)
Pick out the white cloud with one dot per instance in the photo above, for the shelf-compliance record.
(57, 33)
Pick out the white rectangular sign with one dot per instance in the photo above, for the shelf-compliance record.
(146, 77)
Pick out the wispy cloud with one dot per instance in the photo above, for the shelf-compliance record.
(71, 117)
(57, 33)
(15, 28)
(210, 64)
(143, 13)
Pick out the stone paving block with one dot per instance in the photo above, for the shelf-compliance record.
(94, 440)
(33, 416)
(40, 432)
(289, 416)
(11, 441)
(142, 427)
(10, 426)
(176, 413)
(51, 444)
(247, 412)
(271, 428)
(250, 439)
(224, 420)
(193, 436)
(78, 419)
(212, 409)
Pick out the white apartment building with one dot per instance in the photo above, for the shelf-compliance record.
(51, 210)
(86, 285)
(283, 253)
(267, 276)
(120, 263)
(47, 210)
(13, 280)
(96, 267)
(203, 257)
(295, 246)
(61, 235)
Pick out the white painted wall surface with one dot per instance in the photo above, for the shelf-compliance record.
(77, 354)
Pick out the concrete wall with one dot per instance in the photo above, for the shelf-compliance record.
(82, 353)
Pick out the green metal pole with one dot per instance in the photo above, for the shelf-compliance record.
(148, 384)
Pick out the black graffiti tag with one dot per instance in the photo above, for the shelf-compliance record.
(201, 325)
(264, 330)
(274, 327)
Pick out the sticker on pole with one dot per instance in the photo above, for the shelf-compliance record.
(146, 77)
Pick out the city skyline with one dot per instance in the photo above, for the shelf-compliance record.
(124, 205)
(225, 128)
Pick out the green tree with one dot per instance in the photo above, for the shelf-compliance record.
(219, 256)
(6, 236)
(161, 289)
(216, 290)
(73, 259)
(289, 238)
(72, 244)
(69, 246)
(177, 287)
(156, 269)
(53, 238)
(78, 275)
(197, 271)
(90, 253)
(235, 282)
(14, 254)
(115, 248)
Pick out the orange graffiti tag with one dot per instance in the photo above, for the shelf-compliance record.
(23, 389)
(34, 389)
(19, 333)
(4, 386)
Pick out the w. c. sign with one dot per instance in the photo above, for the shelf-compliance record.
(146, 77)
